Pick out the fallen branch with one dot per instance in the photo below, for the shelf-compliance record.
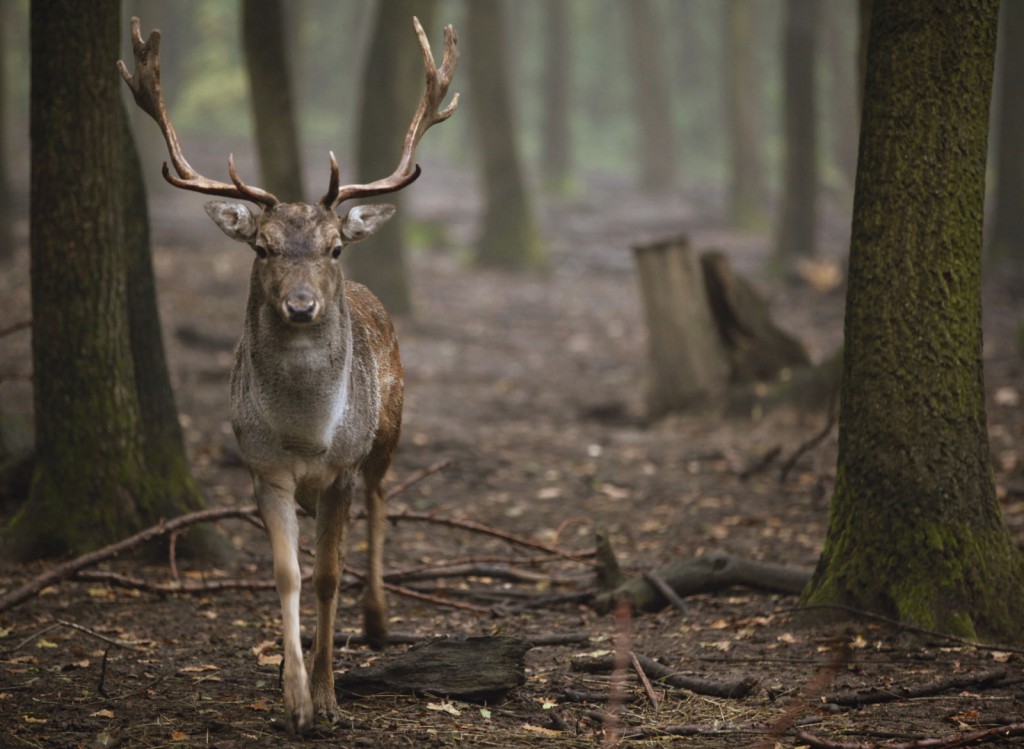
(709, 572)
(872, 697)
(950, 742)
(67, 569)
(665, 675)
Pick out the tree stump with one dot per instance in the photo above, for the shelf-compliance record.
(708, 328)
(688, 364)
(474, 669)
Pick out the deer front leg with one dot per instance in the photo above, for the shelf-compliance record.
(277, 508)
(332, 516)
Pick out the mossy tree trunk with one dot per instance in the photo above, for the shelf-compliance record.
(270, 86)
(97, 473)
(798, 225)
(509, 236)
(6, 214)
(392, 87)
(915, 531)
(1007, 241)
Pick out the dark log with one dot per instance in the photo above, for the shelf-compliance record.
(474, 669)
(735, 688)
(713, 571)
(758, 349)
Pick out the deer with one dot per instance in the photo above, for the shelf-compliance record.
(317, 384)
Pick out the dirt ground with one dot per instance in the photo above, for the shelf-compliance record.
(532, 386)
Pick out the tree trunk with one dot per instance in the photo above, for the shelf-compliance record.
(557, 145)
(795, 236)
(392, 86)
(746, 186)
(92, 481)
(915, 531)
(842, 92)
(652, 98)
(509, 236)
(1007, 240)
(6, 214)
(270, 86)
(163, 444)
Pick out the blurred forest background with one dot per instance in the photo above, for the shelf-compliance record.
(707, 96)
(637, 95)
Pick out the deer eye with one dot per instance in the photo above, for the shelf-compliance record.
(336, 252)
(261, 252)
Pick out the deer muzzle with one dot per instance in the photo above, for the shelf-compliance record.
(300, 305)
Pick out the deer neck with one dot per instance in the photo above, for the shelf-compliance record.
(300, 378)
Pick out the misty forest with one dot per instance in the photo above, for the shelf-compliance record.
(676, 398)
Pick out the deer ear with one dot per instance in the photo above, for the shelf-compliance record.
(234, 219)
(364, 220)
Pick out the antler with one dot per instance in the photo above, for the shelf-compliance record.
(428, 113)
(145, 87)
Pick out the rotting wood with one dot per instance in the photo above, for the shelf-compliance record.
(474, 669)
(715, 570)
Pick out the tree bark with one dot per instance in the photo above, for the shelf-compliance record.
(476, 669)
(509, 236)
(796, 233)
(392, 86)
(270, 86)
(652, 97)
(742, 95)
(557, 146)
(6, 214)
(1007, 240)
(93, 481)
(915, 531)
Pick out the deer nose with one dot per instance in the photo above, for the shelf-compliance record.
(300, 305)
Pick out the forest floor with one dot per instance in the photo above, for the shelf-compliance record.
(532, 387)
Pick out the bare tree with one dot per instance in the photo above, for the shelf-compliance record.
(391, 75)
(797, 228)
(509, 237)
(1007, 241)
(270, 86)
(652, 98)
(746, 187)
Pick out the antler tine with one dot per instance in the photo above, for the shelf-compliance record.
(427, 114)
(145, 88)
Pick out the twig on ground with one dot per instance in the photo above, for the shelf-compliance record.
(651, 694)
(832, 411)
(97, 635)
(808, 696)
(666, 590)
(665, 675)
(20, 325)
(949, 742)
(904, 626)
(894, 694)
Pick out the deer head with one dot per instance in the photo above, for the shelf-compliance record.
(297, 245)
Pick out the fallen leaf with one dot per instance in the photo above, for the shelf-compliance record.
(30, 719)
(179, 736)
(270, 659)
(102, 714)
(260, 706)
(444, 707)
(540, 730)
(46, 644)
(198, 669)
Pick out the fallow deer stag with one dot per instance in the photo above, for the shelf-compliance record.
(317, 386)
